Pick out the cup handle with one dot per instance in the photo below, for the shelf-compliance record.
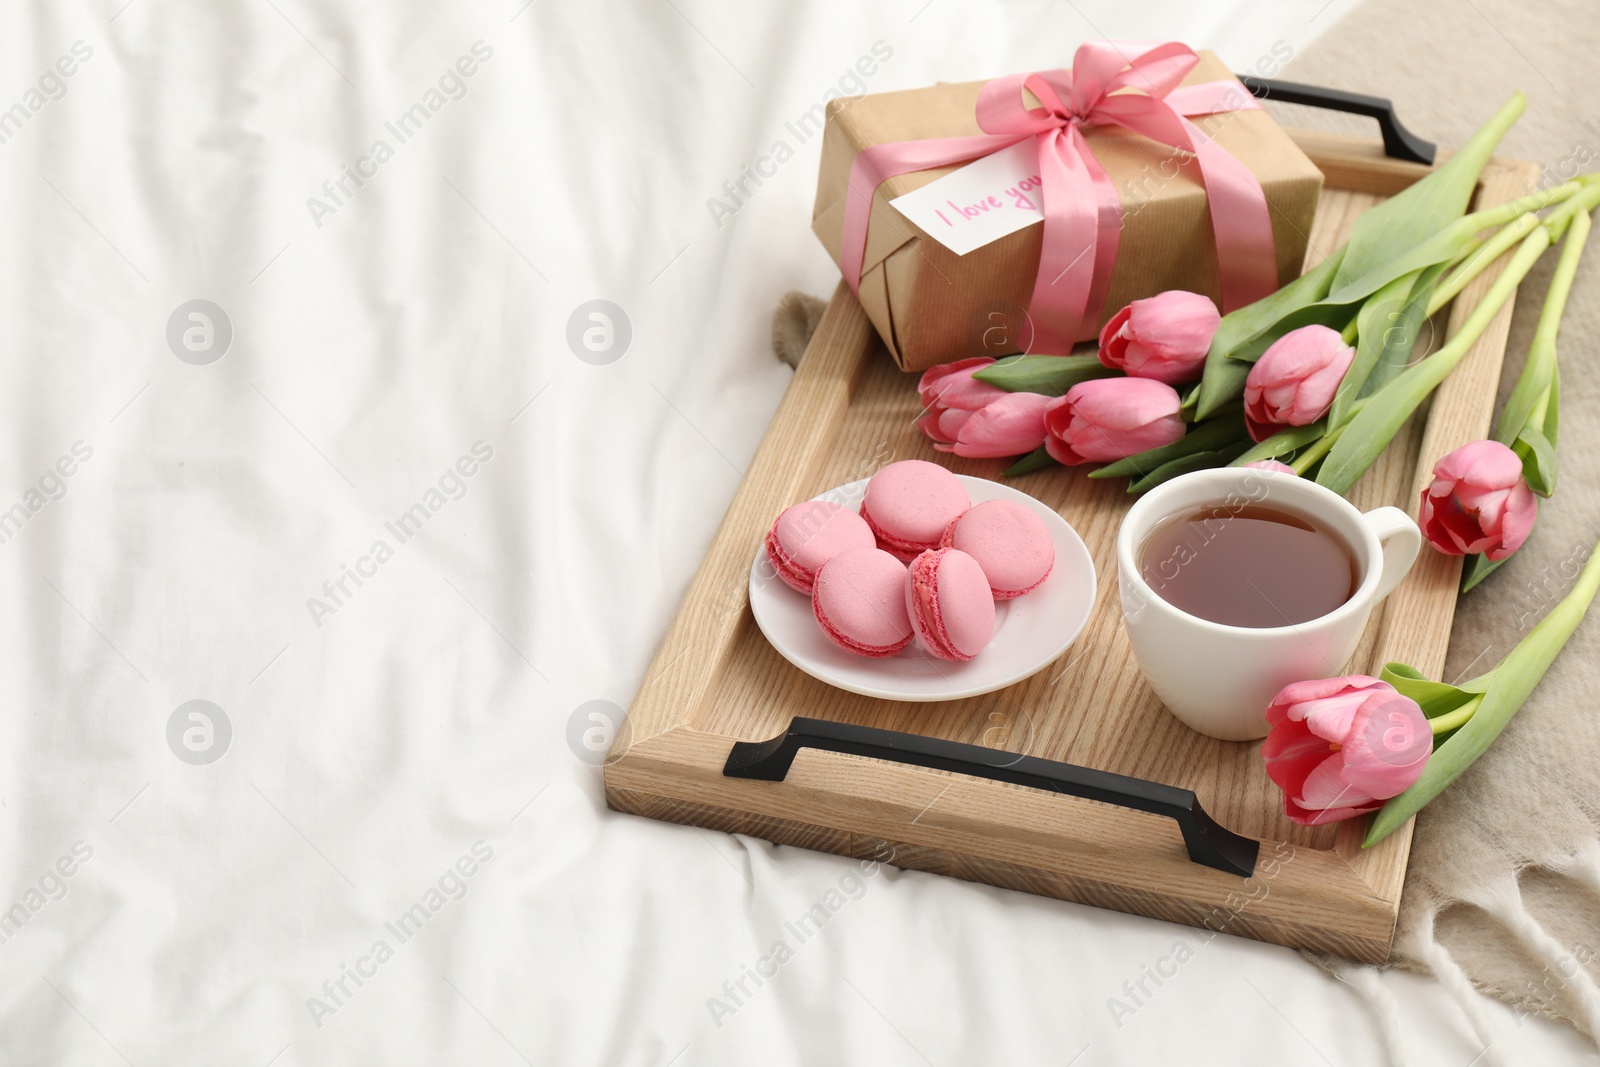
(1400, 540)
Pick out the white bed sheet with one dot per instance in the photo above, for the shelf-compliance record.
(406, 739)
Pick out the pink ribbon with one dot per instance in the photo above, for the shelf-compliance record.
(1082, 211)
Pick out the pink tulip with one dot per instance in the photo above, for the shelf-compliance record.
(976, 419)
(1108, 418)
(1272, 465)
(1293, 382)
(1478, 502)
(1164, 337)
(1340, 747)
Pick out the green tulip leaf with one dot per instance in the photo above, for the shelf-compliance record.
(1050, 375)
(1387, 326)
(1224, 377)
(1225, 429)
(1224, 381)
(1538, 460)
(1283, 443)
(1477, 568)
(1333, 316)
(1374, 324)
(1191, 398)
(1533, 386)
(1386, 232)
(1435, 698)
(1400, 335)
(1372, 428)
(1552, 408)
(1200, 461)
(1036, 460)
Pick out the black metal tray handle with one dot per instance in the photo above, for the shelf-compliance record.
(1207, 842)
(1398, 142)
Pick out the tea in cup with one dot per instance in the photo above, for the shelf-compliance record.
(1236, 582)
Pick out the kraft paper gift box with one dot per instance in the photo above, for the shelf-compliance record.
(932, 306)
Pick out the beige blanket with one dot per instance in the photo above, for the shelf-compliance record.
(1504, 884)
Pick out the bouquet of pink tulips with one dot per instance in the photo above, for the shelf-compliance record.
(1316, 380)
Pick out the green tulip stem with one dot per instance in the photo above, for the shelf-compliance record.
(1530, 397)
(1577, 197)
(1438, 366)
(1451, 720)
(1318, 449)
(1584, 202)
(1500, 214)
(1283, 442)
(1472, 264)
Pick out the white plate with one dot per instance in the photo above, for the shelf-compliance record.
(1029, 631)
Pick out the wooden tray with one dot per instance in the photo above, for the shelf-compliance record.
(716, 681)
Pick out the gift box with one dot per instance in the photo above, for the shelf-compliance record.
(1129, 215)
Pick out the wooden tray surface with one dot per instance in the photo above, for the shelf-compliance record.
(847, 412)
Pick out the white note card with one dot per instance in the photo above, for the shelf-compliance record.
(982, 202)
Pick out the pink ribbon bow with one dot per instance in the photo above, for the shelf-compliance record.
(1082, 211)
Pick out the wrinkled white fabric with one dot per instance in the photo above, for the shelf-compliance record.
(399, 536)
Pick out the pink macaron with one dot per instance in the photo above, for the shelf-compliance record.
(811, 533)
(859, 600)
(948, 599)
(1010, 542)
(910, 504)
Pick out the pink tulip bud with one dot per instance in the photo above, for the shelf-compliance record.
(1164, 337)
(1478, 502)
(1272, 465)
(1294, 381)
(1108, 418)
(1340, 747)
(976, 419)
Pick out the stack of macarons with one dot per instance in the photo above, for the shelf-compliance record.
(919, 561)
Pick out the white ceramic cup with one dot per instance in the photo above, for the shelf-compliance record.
(1219, 679)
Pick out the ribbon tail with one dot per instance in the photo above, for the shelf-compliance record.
(1072, 247)
(1247, 259)
(1106, 245)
